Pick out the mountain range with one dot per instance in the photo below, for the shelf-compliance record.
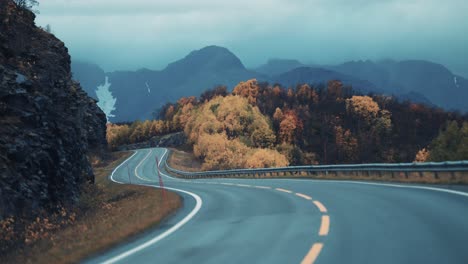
(139, 93)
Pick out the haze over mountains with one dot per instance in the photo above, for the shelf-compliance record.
(139, 93)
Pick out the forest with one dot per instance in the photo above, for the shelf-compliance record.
(264, 125)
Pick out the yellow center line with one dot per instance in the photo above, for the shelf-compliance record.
(139, 164)
(313, 254)
(320, 206)
(262, 187)
(283, 190)
(304, 196)
(325, 226)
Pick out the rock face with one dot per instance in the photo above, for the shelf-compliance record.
(48, 124)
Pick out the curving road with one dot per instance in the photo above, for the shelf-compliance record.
(296, 221)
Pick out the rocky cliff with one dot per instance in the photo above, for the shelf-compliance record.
(48, 124)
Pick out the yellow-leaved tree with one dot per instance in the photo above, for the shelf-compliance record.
(226, 133)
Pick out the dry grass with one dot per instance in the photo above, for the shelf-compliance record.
(185, 161)
(109, 213)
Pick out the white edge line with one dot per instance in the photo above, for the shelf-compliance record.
(412, 187)
(166, 233)
(116, 168)
(383, 184)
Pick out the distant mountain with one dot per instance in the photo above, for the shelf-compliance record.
(316, 76)
(278, 66)
(90, 76)
(139, 93)
(434, 81)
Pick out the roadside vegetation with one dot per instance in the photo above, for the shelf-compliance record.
(106, 214)
(184, 161)
(263, 125)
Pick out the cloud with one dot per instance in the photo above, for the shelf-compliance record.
(122, 34)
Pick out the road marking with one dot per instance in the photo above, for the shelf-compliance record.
(283, 190)
(304, 196)
(262, 187)
(313, 254)
(116, 168)
(379, 184)
(141, 162)
(320, 206)
(325, 226)
(309, 258)
(163, 235)
(412, 187)
(225, 183)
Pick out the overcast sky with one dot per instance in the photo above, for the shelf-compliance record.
(132, 34)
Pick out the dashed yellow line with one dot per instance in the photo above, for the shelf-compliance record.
(316, 248)
(325, 226)
(313, 254)
(283, 190)
(262, 187)
(304, 196)
(320, 206)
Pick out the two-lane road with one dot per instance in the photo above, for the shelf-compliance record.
(294, 221)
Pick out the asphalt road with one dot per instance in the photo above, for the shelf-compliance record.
(296, 221)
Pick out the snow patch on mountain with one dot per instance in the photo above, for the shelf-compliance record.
(106, 101)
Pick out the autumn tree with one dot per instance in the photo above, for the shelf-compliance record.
(451, 143)
(335, 89)
(248, 89)
(263, 137)
(422, 155)
(218, 152)
(290, 125)
(225, 129)
(303, 94)
(278, 115)
(266, 158)
(212, 93)
(364, 107)
(346, 144)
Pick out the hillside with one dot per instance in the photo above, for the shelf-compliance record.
(140, 93)
(317, 76)
(278, 66)
(330, 124)
(48, 124)
(433, 81)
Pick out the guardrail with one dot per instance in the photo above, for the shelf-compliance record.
(394, 169)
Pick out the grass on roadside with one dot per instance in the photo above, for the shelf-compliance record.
(108, 213)
(184, 161)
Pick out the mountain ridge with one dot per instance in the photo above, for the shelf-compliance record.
(139, 93)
